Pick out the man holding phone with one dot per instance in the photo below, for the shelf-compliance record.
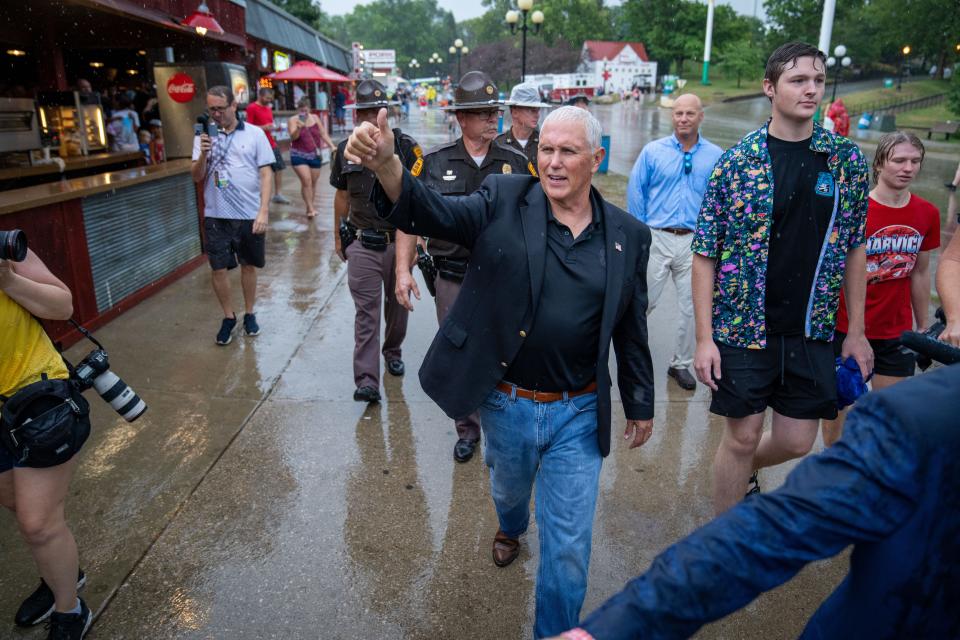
(234, 165)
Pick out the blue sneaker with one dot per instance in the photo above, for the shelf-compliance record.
(70, 626)
(225, 335)
(250, 326)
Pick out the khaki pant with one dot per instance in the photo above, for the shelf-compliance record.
(371, 276)
(670, 256)
(467, 428)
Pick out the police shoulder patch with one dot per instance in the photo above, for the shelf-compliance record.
(417, 151)
(532, 171)
(417, 167)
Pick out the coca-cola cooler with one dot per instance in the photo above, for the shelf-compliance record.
(181, 92)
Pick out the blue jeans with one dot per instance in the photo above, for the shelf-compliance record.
(554, 444)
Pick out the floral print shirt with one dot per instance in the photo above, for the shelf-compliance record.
(734, 228)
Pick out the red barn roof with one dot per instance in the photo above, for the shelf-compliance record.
(600, 49)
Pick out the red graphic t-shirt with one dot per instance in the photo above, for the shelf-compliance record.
(260, 115)
(895, 237)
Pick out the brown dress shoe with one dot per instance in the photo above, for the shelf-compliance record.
(505, 550)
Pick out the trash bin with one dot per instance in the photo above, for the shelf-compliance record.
(886, 122)
(605, 143)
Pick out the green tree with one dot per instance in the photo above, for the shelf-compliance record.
(742, 59)
(953, 96)
(930, 27)
(414, 28)
(307, 10)
(673, 30)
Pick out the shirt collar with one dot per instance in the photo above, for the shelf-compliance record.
(679, 145)
(755, 142)
(594, 208)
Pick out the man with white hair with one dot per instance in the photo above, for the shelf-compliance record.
(555, 274)
(523, 134)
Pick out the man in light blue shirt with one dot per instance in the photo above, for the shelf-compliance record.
(665, 191)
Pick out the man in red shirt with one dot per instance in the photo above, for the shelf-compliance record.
(902, 230)
(260, 113)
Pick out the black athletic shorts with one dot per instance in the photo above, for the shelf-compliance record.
(228, 241)
(278, 164)
(889, 358)
(794, 376)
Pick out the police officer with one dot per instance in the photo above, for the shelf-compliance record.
(367, 243)
(581, 100)
(524, 134)
(458, 168)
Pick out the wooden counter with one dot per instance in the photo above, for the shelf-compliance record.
(114, 238)
(74, 163)
(53, 192)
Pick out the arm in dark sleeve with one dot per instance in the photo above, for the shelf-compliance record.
(630, 342)
(423, 211)
(337, 179)
(859, 490)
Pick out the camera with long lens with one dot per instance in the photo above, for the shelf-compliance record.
(13, 245)
(94, 371)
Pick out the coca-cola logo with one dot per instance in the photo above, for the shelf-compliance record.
(181, 88)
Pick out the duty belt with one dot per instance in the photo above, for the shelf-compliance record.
(454, 269)
(384, 237)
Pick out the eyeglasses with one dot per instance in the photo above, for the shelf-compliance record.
(485, 114)
(218, 109)
(687, 163)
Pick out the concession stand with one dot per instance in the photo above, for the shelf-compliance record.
(117, 222)
(113, 227)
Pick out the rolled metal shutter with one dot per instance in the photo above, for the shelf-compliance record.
(139, 234)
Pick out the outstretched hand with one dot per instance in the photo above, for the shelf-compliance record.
(371, 145)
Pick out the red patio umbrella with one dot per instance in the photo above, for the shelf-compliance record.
(309, 71)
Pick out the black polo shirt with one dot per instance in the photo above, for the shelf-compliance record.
(562, 346)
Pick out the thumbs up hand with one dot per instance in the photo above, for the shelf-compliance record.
(371, 145)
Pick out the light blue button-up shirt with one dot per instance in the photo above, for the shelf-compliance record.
(659, 193)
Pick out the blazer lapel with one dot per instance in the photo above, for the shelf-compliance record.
(615, 248)
(533, 219)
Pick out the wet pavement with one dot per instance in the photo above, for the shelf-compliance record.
(256, 499)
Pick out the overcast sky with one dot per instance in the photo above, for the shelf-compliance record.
(465, 9)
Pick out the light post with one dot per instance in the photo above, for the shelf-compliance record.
(513, 17)
(839, 53)
(459, 50)
(903, 60)
(436, 61)
(413, 65)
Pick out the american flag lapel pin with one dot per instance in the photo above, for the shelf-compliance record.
(618, 246)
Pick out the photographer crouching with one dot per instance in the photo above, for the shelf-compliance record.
(34, 487)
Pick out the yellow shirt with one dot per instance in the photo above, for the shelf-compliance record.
(25, 349)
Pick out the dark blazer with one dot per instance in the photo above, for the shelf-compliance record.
(504, 224)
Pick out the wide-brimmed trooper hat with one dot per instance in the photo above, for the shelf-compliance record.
(475, 91)
(580, 97)
(526, 95)
(371, 95)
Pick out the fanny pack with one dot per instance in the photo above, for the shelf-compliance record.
(45, 423)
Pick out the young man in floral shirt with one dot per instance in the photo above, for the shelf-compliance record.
(781, 229)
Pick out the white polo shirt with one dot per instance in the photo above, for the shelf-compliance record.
(231, 188)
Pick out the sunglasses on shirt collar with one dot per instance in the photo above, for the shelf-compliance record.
(687, 163)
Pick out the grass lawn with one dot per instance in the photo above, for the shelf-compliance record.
(613, 187)
(860, 101)
(720, 87)
(927, 117)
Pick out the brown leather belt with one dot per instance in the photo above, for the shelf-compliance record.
(545, 396)
(677, 231)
